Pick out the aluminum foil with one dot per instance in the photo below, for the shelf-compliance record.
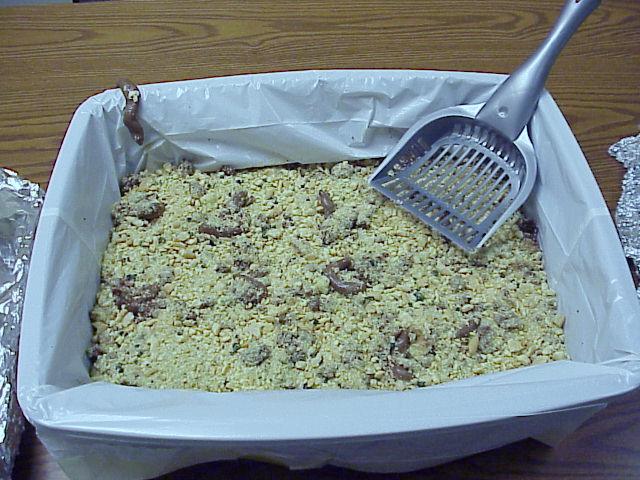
(627, 151)
(20, 203)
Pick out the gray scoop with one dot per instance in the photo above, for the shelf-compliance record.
(465, 170)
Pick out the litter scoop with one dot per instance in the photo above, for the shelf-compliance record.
(465, 170)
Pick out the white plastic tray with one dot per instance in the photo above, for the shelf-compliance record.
(314, 116)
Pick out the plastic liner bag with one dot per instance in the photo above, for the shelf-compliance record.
(102, 431)
(20, 202)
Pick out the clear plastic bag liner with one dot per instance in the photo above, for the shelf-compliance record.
(313, 116)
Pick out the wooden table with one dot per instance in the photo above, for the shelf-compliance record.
(53, 57)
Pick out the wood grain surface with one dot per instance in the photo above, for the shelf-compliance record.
(53, 57)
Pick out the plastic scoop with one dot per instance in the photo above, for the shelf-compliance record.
(465, 170)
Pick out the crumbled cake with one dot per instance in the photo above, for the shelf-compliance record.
(282, 278)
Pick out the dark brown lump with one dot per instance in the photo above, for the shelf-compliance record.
(292, 166)
(402, 341)
(145, 206)
(249, 290)
(142, 300)
(342, 286)
(220, 231)
(228, 170)
(528, 228)
(508, 320)
(324, 200)
(186, 167)
(466, 330)
(150, 211)
(400, 373)
(207, 303)
(242, 263)
(129, 182)
(344, 263)
(241, 199)
(94, 352)
(365, 162)
(131, 94)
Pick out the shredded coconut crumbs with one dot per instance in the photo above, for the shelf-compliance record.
(282, 278)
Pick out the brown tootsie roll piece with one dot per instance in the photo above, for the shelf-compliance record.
(151, 212)
(528, 228)
(339, 285)
(257, 294)
(132, 96)
(241, 199)
(402, 341)
(129, 182)
(324, 200)
(400, 372)
(465, 330)
(226, 232)
(142, 300)
(342, 264)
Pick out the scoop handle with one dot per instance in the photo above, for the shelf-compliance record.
(511, 106)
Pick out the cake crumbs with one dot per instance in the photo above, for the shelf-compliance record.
(286, 278)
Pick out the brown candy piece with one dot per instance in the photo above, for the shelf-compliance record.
(140, 300)
(254, 295)
(401, 373)
(528, 228)
(152, 211)
(129, 182)
(339, 285)
(328, 207)
(226, 232)
(465, 330)
(132, 97)
(241, 199)
(403, 342)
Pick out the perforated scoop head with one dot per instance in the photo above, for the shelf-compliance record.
(458, 176)
(465, 170)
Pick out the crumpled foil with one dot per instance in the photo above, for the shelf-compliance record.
(20, 203)
(627, 151)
